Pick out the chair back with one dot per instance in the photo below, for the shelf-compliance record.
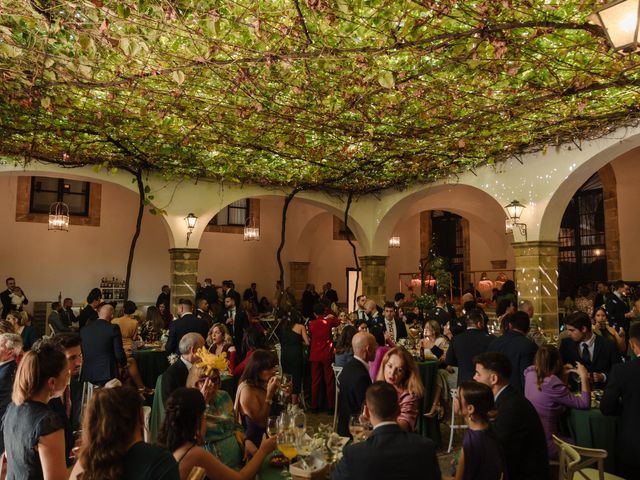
(336, 372)
(568, 460)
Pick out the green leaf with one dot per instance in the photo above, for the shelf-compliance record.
(386, 80)
(178, 77)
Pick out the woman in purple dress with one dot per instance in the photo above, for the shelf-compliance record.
(481, 457)
(548, 392)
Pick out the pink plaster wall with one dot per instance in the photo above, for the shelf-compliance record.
(627, 171)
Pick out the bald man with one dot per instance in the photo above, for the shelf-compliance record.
(354, 380)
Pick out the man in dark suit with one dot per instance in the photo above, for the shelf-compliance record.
(517, 426)
(602, 294)
(176, 375)
(389, 453)
(439, 313)
(12, 295)
(330, 294)
(209, 292)
(375, 321)
(622, 398)
(596, 353)
(228, 289)
(57, 319)
(203, 311)
(187, 323)
(354, 380)
(466, 345)
(102, 350)
(164, 297)
(617, 308)
(236, 321)
(90, 312)
(67, 311)
(10, 347)
(394, 328)
(251, 295)
(519, 349)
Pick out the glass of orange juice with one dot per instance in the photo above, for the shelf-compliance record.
(287, 445)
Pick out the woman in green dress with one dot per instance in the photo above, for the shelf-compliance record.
(293, 338)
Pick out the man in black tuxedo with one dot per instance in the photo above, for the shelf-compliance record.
(90, 312)
(186, 323)
(622, 398)
(330, 294)
(394, 328)
(68, 317)
(517, 426)
(596, 353)
(237, 322)
(10, 347)
(228, 289)
(12, 295)
(209, 292)
(602, 294)
(102, 350)
(176, 375)
(375, 321)
(439, 313)
(203, 311)
(466, 345)
(617, 308)
(354, 380)
(389, 453)
(519, 349)
(57, 319)
(164, 297)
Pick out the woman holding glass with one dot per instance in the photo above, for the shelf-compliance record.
(220, 341)
(293, 339)
(183, 431)
(399, 369)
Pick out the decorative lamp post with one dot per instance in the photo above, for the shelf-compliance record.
(514, 210)
(394, 242)
(59, 217)
(251, 231)
(620, 21)
(190, 220)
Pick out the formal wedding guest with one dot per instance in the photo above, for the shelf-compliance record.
(518, 348)
(546, 388)
(229, 290)
(220, 341)
(509, 307)
(67, 311)
(602, 294)
(293, 339)
(394, 328)
(601, 327)
(596, 353)
(22, 328)
(622, 398)
(164, 298)
(322, 356)
(251, 295)
(57, 319)
(33, 433)
(329, 293)
(583, 301)
(253, 340)
(400, 370)
(186, 323)
(176, 375)
(183, 431)
(389, 452)
(507, 292)
(437, 344)
(481, 457)
(128, 326)
(102, 350)
(517, 426)
(360, 313)
(202, 311)
(10, 348)
(69, 404)
(236, 321)
(112, 441)
(466, 345)
(13, 298)
(7, 327)
(265, 306)
(433, 337)
(535, 333)
(209, 292)
(165, 312)
(354, 380)
(89, 312)
(439, 313)
(344, 350)
(375, 322)
(254, 397)
(617, 307)
(153, 325)
(362, 326)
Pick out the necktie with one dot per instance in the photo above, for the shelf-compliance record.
(390, 327)
(586, 358)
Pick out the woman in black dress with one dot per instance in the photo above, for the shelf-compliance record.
(293, 336)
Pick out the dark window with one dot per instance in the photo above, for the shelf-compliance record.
(46, 190)
(582, 251)
(447, 242)
(235, 213)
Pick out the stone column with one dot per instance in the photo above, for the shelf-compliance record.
(184, 274)
(374, 277)
(537, 280)
(298, 277)
(611, 224)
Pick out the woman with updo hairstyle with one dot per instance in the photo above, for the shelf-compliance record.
(112, 441)
(183, 431)
(20, 321)
(481, 457)
(153, 325)
(33, 433)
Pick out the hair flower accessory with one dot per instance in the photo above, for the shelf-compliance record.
(210, 361)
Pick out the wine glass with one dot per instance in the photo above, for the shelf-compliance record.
(355, 428)
(305, 442)
(287, 446)
(299, 422)
(273, 426)
(284, 422)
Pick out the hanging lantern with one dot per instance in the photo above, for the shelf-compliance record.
(394, 242)
(620, 21)
(251, 231)
(59, 217)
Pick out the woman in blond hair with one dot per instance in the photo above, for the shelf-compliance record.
(400, 370)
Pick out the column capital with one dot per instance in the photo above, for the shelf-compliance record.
(184, 253)
(374, 259)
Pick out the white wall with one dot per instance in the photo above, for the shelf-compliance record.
(627, 172)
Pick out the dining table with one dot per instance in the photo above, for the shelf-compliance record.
(152, 362)
(591, 429)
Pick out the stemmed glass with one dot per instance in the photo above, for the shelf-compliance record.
(356, 429)
(273, 426)
(287, 445)
(299, 422)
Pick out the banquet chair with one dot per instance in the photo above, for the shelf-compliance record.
(336, 372)
(452, 425)
(147, 415)
(573, 467)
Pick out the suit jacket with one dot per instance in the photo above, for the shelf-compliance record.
(87, 314)
(68, 317)
(102, 352)
(616, 309)
(520, 350)
(174, 377)
(390, 454)
(7, 306)
(401, 329)
(521, 435)
(206, 316)
(210, 293)
(163, 298)
(353, 382)
(57, 320)
(180, 327)
(377, 327)
(463, 348)
(605, 355)
(235, 295)
(622, 397)
(237, 329)
(7, 376)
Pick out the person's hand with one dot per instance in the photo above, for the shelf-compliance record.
(428, 343)
(621, 333)
(597, 377)
(268, 444)
(272, 386)
(582, 372)
(207, 389)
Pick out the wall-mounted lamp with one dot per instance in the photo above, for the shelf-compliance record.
(620, 21)
(59, 217)
(190, 220)
(394, 242)
(514, 210)
(251, 230)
